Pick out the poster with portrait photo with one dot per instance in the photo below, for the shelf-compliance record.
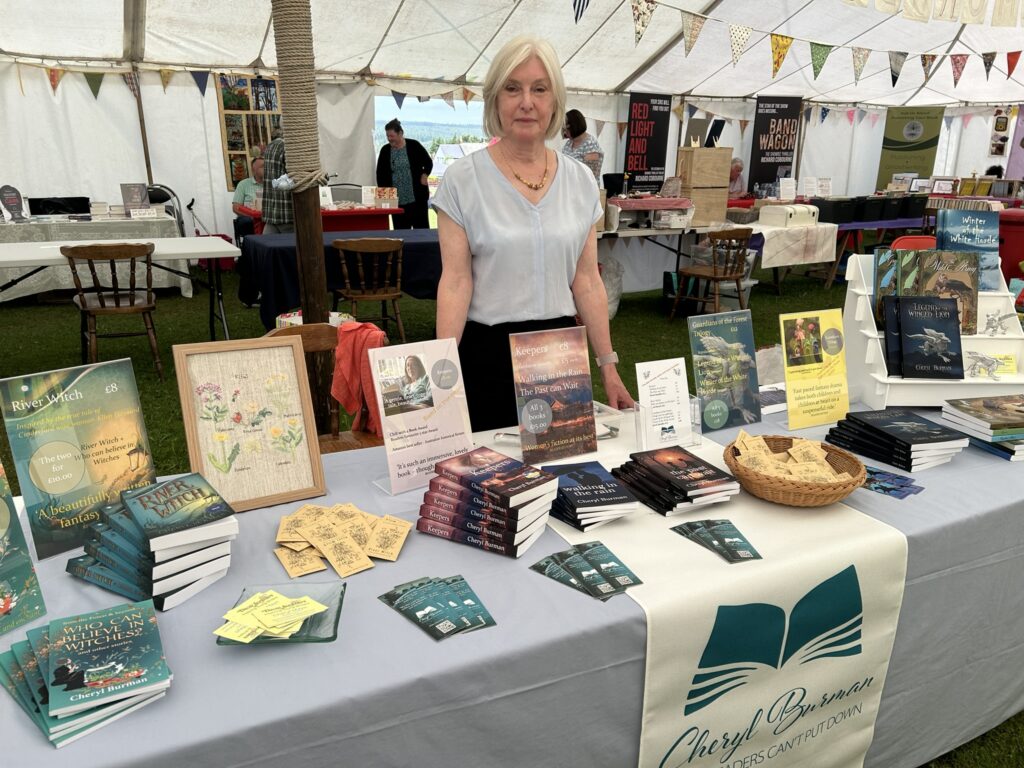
(421, 397)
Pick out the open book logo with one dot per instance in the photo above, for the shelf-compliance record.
(749, 640)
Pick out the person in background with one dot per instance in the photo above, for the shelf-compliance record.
(246, 191)
(278, 213)
(518, 244)
(580, 144)
(737, 186)
(404, 163)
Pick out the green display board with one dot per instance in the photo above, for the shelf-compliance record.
(910, 141)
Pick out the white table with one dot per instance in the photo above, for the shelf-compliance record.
(22, 263)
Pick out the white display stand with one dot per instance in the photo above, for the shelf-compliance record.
(865, 354)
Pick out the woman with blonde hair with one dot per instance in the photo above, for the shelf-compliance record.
(518, 243)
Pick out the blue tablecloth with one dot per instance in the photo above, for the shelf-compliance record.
(268, 271)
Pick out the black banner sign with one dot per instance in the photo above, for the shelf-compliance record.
(647, 140)
(776, 126)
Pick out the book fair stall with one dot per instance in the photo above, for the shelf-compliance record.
(794, 542)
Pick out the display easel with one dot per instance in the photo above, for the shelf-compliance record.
(869, 380)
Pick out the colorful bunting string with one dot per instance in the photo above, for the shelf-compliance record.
(860, 58)
(819, 53)
(738, 36)
(398, 97)
(95, 80)
(958, 61)
(780, 47)
(449, 98)
(947, 121)
(691, 110)
(896, 62)
(467, 96)
(201, 78)
(131, 79)
(1011, 63)
(579, 7)
(165, 77)
(692, 25)
(824, 114)
(743, 127)
(850, 115)
(642, 12)
(967, 119)
(927, 59)
(677, 110)
(988, 59)
(55, 74)
(599, 126)
(873, 119)
(622, 128)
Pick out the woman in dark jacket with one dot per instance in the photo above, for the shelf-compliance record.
(405, 164)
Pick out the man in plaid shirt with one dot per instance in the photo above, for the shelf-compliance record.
(278, 215)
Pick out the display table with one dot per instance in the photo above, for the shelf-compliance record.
(347, 220)
(268, 272)
(559, 680)
(19, 281)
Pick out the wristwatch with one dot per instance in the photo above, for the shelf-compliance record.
(611, 357)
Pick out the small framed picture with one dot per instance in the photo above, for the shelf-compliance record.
(944, 185)
(249, 420)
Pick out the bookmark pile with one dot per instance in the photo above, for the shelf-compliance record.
(720, 537)
(890, 484)
(589, 568)
(442, 608)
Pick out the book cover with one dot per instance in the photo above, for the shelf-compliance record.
(859, 432)
(976, 231)
(907, 428)
(908, 271)
(105, 656)
(460, 536)
(952, 275)
(489, 515)
(21, 598)
(993, 412)
(1012, 450)
(901, 462)
(589, 486)
(78, 440)
(497, 476)
(109, 538)
(891, 451)
(687, 473)
(119, 566)
(421, 396)
(814, 361)
(88, 568)
(117, 517)
(485, 530)
(886, 282)
(724, 369)
(891, 340)
(554, 393)
(135, 195)
(930, 338)
(164, 510)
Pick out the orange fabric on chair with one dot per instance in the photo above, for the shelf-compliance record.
(353, 379)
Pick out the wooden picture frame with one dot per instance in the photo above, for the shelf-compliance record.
(249, 419)
(249, 108)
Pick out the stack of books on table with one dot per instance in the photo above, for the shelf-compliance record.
(898, 437)
(169, 541)
(994, 424)
(84, 672)
(488, 500)
(589, 496)
(672, 480)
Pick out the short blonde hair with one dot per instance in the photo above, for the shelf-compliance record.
(511, 55)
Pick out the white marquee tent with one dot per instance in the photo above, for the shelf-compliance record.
(65, 141)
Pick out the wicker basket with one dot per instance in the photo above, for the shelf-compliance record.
(798, 493)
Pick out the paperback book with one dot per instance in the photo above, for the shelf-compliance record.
(725, 369)
(506, 480)
(21, 598)
(554, 393)
(78, 440)
(972, 231)
(904, 427)
(886, 280)
(993, 413)
(952, 275)
(179, 511)
(684, 472)
(930, 338)
(589, 487)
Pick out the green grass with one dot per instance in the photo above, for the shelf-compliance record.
(39, 336)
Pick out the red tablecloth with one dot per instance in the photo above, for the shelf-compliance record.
(741, 202)
(348, 220)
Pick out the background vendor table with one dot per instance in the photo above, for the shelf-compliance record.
(347, 220)
(268, 272)
(559, 681)
(70, 233)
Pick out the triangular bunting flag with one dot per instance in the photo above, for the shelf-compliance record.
(947, 121)
(449, 98)
(958, 62)
(1011, 63)
(131, 79)
(599, 126)
(692, 25)
(807, 115)
(691, 110)
(988, 59)
(622, 128)
(861, 114)
(873, 119)
(967, 119)
(95, 80)
(467, 96)
(896, 61)
(850, 115)
(743, 127)
(738, 36)
(973, 11)
(927, 59)
(642, 11)
(917, 10)
(677, 110)
(165, 77)
(819, 52)
(398, 97)
(201, 78)
(55, 74)
(824, 113)
(578, 9)
(860, 58)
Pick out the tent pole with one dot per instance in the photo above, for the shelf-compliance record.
(142, 124)
(800, 140)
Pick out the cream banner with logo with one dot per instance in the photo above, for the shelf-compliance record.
(775, 662)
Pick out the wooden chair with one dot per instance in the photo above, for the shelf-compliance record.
(372, 269)
(102, 294)
(728, 265)
(323, 338)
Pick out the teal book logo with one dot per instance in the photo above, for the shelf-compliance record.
(750, 639)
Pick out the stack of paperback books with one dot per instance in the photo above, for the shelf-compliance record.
(169, 541)
(897, 437)
(672, 480)
(488, 500)
(994, 424)
(84, 672)
(588, 495)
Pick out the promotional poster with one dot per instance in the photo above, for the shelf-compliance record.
(814, 354)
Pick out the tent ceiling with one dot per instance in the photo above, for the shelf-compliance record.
(446, 40)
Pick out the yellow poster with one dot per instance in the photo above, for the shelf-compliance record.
(815, 364)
